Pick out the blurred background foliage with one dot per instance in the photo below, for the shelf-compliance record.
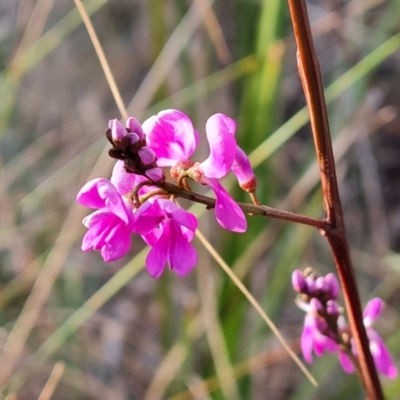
(112, 332)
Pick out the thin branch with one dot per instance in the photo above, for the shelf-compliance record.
(312, 84)
(248, 208)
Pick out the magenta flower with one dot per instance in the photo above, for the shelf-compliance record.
(125, 182)
(315, 332)
(324, 324)
(110, 227)
(241, 165)
(379, 351)
(168, 229)
(172, 137)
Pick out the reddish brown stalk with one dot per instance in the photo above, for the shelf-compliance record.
(248, 208)
(312, 84)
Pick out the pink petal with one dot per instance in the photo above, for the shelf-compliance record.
(346, 363)
(124, 181)
(118, 243)
(107, 233)
(183, 256)
(324, 343)
(372, 311)
(114, 201)
(155, 174)
(101, 193)
(152, 237)
(242, 168)
(319, 344)
(222, 148)
(332, 285)
(330, 345)
(96, 217)
(227, 212)
(93, 238)
(147, 155)
(298, 281)
(381, 355)
(306, 341)
(134, 126)
(158, 255)
(187, 233)
(89, 194)
(147, 217)
(171, 135)
(117, 129)
(179, 215)
(229, 122)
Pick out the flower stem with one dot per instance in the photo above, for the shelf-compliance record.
(312, 84)
(253, 209)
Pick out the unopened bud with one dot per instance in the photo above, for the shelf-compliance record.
(133, 138)
(133, 125)
(155, 174)
(316, 304)
(118, 131)
(147, 155)
(298, 282)
(320, 284)
(332, 307)
(332, 285)
(241, 167)
(311, 286)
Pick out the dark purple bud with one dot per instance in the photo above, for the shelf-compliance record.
(298, 281)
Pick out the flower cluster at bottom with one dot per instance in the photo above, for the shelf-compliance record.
(136, 200)
(325, 328)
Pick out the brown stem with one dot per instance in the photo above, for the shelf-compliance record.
(312, 84)
(248, 208)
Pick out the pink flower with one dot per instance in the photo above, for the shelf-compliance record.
(172, 137)
(125, 182)
(315, 332)
(109, 228)
(324, 323)
(241, 166)
(379, 351)
(168, 229)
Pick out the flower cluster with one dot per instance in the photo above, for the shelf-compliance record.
(136, 199)
(325, 328)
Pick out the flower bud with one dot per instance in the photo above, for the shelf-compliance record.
(332, 285)
(311, 286)
(241, 167)
(118, 131)
(298, 281)
(155, 174)
(147, 155)
(133, 125)
(133, 138)
(332, 307)
(316, 304)
(320, 284)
